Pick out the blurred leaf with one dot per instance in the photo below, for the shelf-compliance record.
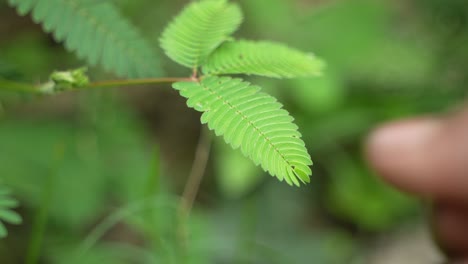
(356, 195)
(30, 54)
(396, 62)
(368, 47)
(8, 71)
(344, 31)
(88, 166)
(77, 175)
(318, 95)
(104, 254)
(7, 214)
(236, 174)
(268, 14)
(89, 31)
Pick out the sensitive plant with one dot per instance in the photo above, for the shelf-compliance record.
(199, 38)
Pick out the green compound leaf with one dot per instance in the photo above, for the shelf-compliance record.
(262, 58)
(201, 27)
(7, 215)
(97, 32)
(253, 121)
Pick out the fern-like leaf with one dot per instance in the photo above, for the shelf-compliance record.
(199, 30)
(262, 58)
(7, 215)
(97, 32)
(253, 121)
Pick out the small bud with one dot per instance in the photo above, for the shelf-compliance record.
(68, 80)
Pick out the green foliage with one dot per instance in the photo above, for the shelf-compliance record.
(88, 163)
(236, 175)
(30, 55)
(200, 29)
(262, 58)
(253, 121)
(7, 215)
(326, 95)
(235, 109)
(381, 70)
(192, 40)
(96, 32)
(6, 70)
(356, 195)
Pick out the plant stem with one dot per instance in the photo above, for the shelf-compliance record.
(19, 87)
(117, 83)
(151, 191)
(192, 186)
(42, 215)
(197, 172)
(35, 89)
(2, 110)
(110, 221)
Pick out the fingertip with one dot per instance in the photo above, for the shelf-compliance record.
(399, 152)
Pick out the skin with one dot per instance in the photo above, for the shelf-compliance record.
(428, 157)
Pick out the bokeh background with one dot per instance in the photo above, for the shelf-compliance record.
(99, 173)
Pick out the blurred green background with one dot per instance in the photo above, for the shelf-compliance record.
(99, 173)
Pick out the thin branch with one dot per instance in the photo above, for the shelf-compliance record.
(195, 73)
(192, 186)
(197, 172)
(2, 110)
(135, 208)
(117, 83)
(41, 217)
(18, 87)
(38, 89)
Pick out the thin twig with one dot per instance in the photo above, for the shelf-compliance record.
(42, 215)
(36, 89)
(19, 87)
(195, 73)
(117, 83)
(2, 110)
(197, 172)
(135, 208)
(192, 186)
